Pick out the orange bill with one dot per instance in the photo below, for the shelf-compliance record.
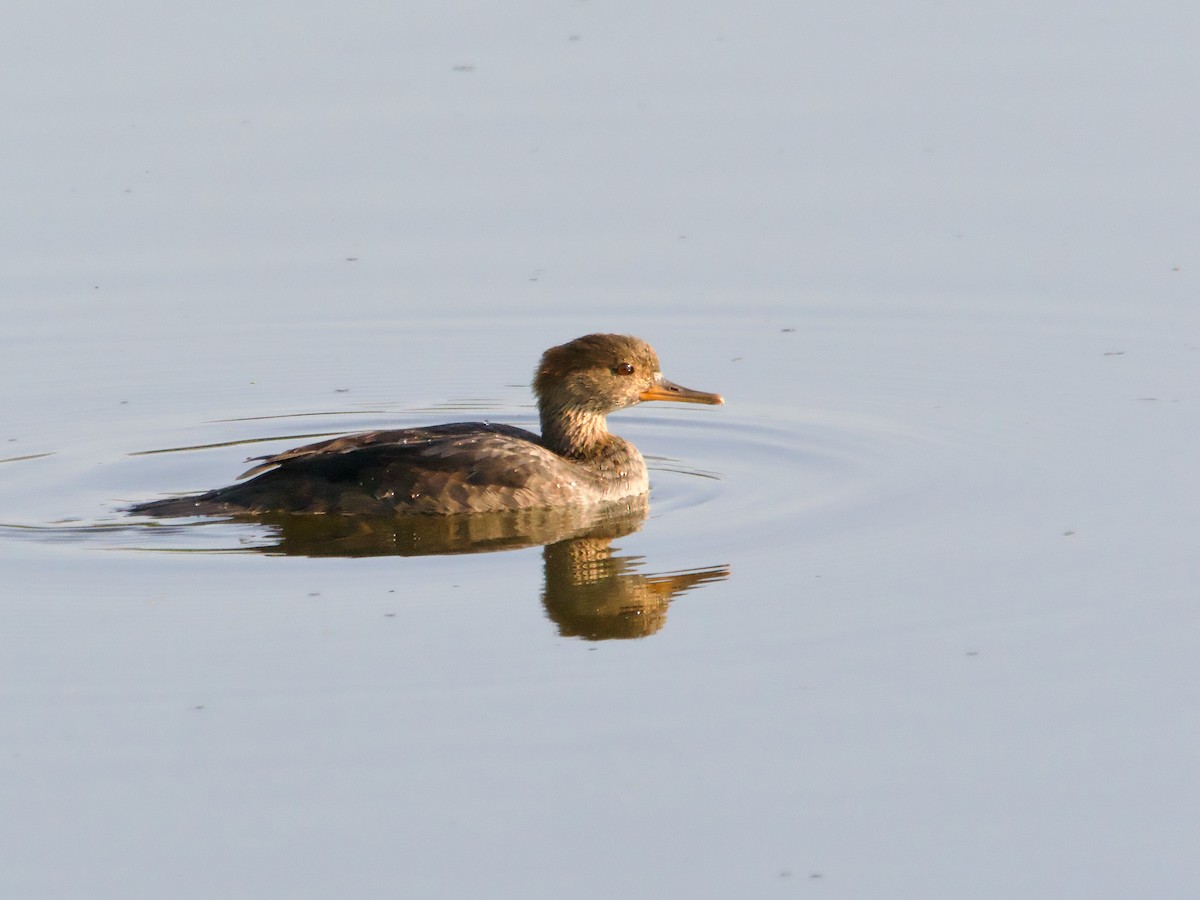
(668, 390)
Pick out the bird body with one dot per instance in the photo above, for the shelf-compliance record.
(471, 467)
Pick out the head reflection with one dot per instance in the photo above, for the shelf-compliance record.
(593, 593)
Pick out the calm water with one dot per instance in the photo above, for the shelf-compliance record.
(912, 615)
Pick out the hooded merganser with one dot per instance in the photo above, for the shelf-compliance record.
(472, 467)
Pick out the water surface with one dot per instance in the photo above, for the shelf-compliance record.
(913, 614)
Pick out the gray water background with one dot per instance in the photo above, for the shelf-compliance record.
(941, 261)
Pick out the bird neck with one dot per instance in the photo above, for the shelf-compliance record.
(572, 432)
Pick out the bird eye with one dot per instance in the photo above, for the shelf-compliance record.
(624, 369)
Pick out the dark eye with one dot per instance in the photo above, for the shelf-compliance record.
(624, 369)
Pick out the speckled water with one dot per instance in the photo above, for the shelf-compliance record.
(912, 615)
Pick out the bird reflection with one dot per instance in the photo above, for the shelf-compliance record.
(590, 591)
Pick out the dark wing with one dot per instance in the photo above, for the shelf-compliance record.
(397, 443)
(324, 451)
(466, 467)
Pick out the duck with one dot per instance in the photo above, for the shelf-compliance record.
(471, 467)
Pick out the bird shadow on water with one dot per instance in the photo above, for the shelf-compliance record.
(590, 589)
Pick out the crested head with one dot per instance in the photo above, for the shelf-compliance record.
(597, 372)
(580, 382)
